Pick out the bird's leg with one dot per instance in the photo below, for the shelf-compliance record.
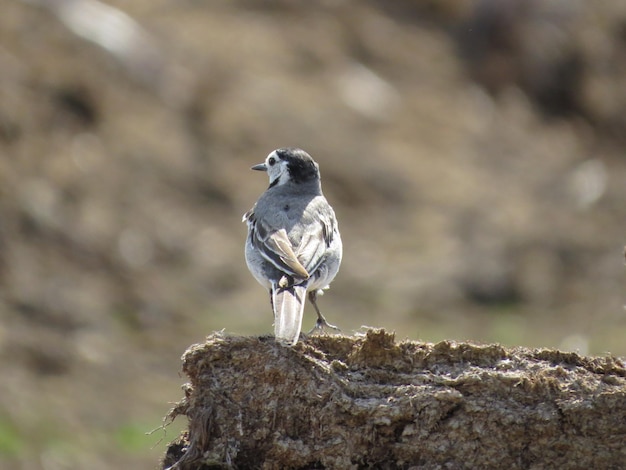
(321, 321)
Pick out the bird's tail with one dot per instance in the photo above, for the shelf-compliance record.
(288, 309)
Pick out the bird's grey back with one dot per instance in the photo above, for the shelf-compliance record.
(284, 206)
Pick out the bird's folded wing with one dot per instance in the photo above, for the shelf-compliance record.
(311, 250)
(278, 244)
(274, 246)
(313, 245)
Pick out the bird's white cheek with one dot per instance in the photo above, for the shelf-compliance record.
(281, 177)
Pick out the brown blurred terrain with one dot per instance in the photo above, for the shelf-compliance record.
(474, 151)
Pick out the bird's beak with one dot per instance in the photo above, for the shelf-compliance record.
(260, 167)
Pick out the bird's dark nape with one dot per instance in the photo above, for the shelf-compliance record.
(301, 166)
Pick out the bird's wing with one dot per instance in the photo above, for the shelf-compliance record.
(314, 242)
(278, 243)
(275, 246)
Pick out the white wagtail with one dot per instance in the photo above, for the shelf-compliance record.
(293, 245)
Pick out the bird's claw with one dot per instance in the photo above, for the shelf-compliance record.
(321, 324)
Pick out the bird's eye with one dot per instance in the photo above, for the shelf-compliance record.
(271, 161)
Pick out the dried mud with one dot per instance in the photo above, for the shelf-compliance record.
(369, 402)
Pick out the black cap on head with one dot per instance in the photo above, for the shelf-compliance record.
(301, 166)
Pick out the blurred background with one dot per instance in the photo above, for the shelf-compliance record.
(474, 151)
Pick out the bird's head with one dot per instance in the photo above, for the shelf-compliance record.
(289, 165)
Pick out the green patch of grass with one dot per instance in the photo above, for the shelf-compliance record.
(11, 442)
(139, 438)
(508, 329)
(134, 438)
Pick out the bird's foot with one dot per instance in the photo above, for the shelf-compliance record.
(321, 325)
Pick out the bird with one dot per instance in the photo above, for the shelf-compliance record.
(293, 247)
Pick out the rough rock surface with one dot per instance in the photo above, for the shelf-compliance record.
(369, 402)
